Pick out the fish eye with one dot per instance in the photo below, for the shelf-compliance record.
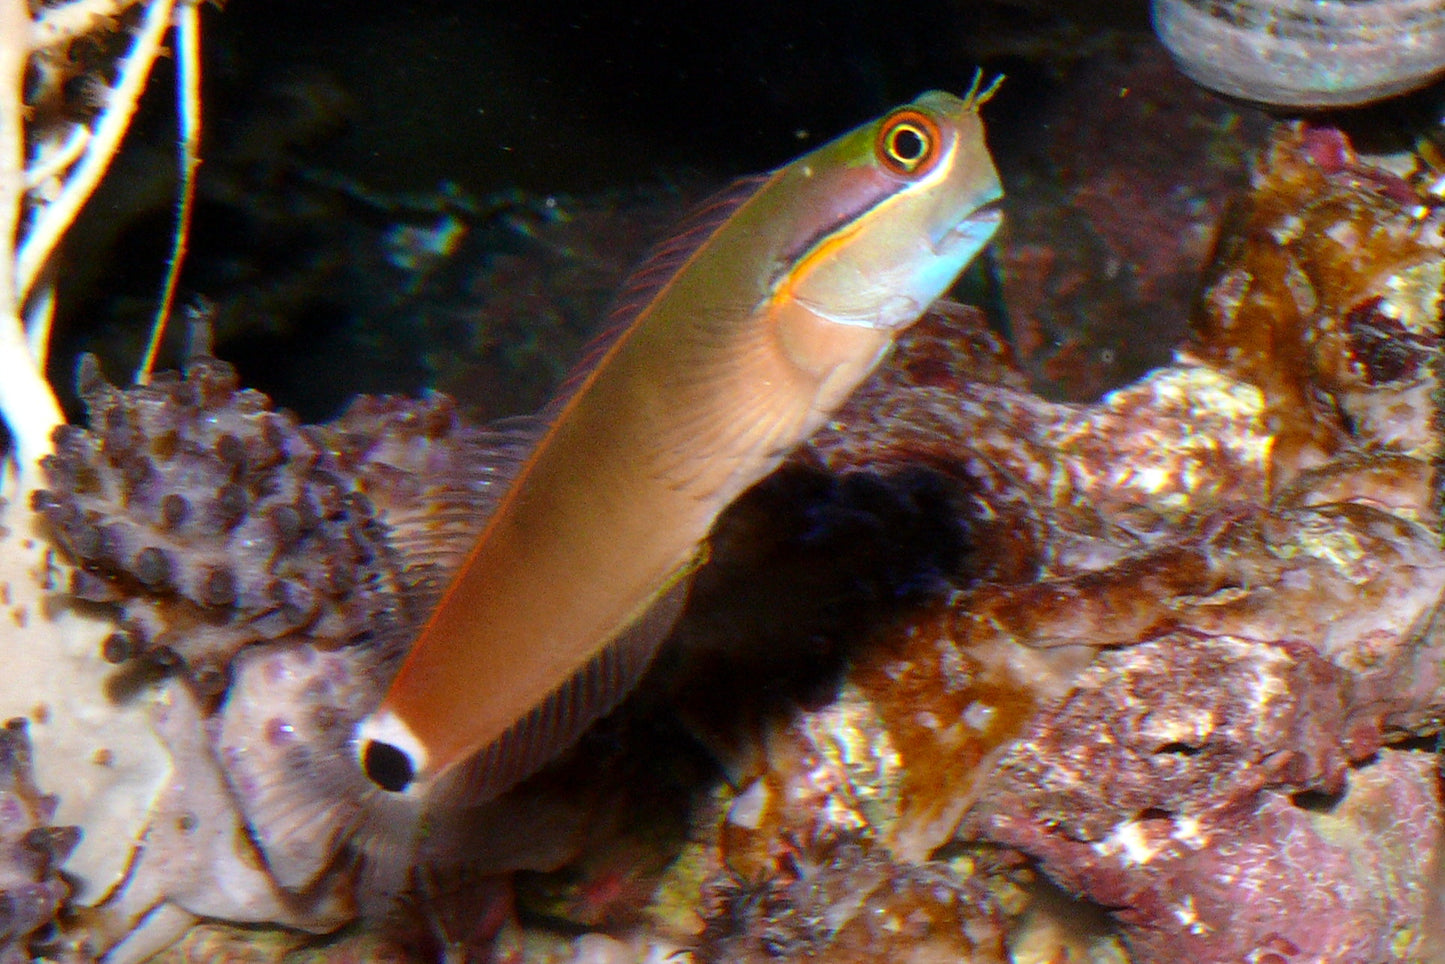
(908, 142)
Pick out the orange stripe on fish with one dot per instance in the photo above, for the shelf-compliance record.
(735, 342)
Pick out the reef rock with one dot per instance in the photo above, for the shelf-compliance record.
(1252, 539)
(857, 905)
(32, 890)
(1185, 660)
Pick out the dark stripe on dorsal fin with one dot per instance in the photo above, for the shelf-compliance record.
(653, 273)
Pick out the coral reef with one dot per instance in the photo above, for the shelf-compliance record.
(1180, 661)
(1175, 652)
(212, 523)
(1266, 587)
(255, 586)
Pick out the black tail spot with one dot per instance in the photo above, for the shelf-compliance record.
(387, 766)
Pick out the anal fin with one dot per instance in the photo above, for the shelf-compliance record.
(560, 720)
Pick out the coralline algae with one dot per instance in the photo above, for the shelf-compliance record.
(1250, 541)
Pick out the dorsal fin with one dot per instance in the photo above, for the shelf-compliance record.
(652, 274)
(433, 537)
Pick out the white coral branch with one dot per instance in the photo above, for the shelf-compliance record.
(57, 26)
(55, 156)
(42, 194)
(120, 102)
(26, 400)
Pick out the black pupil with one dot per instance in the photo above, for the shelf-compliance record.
(907, 144)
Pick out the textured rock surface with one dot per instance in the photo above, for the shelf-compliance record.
(1249, 538)
(32, 849)
(856, 905)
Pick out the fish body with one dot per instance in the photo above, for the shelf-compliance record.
(735, 342)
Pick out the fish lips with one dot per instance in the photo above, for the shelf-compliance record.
(973, 231)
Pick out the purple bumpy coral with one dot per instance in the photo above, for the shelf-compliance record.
(212, 522)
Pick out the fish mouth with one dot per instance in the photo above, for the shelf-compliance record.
(989, 213)
(976, 228)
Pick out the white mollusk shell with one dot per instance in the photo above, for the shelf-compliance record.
(1305, 53)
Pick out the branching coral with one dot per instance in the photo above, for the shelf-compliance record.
(53, 154)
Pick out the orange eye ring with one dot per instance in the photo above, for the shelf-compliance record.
(908, 142)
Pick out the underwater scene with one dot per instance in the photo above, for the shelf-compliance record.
(954, 482)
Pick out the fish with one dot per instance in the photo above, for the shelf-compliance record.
(732, 343)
